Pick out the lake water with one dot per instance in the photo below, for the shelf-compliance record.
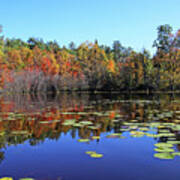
(45, 137)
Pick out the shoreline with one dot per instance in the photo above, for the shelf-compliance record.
(95, 92)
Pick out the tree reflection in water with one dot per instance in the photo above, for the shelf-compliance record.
(35, 118)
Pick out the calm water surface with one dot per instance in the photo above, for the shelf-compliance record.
(47, 137)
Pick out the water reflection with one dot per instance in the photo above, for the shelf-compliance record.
(40, 117)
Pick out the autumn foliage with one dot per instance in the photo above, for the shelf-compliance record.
(36, 66)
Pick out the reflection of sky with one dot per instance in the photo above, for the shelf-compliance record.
(129, 159)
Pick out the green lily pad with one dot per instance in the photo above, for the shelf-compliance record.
(166, 135)
(2, 133)
(86, 123)
(154, 124)
(163, 145)
(19, 132)
(69, 122)
(137, 134)
(173, 142)
(6, 178)
(134, 120)
(165, 150)
(96, 155)
(176, 153)
(83, 140)
(176, 127)
(163, 131)
(95, 137)
(144, 129)
(150, 135)
(44, 122)
(26, 179)
(82, 113)
(164, 156)
(124, 129)
(93, 154)
(90, 152)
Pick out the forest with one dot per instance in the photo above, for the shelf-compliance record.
(38, 66)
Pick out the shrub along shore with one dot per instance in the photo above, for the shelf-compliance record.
(38, 66)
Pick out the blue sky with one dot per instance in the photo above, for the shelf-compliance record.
(133, 22)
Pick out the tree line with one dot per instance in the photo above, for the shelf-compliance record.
(38, 66)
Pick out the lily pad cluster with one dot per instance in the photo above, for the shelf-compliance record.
(165, 151)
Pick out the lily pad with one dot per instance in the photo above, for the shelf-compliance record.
(82, 113)
(165, 150)
(163, 145)
(93, 154)
(173, 142)
(6, 178)
(96, 155)
(69, 122)
(144, 129)
(150, 135)
(95, 137)
(44, 122)
(176, 153)
(164, 156)
(19, 132)
(137, 134)
(86, 123)
(164, 131)
(90, 152)
(83, 140)
(166, 135)
(124, 129)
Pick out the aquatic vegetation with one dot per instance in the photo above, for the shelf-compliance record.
(90, 152)
(173, 142)
(164, 156)
(96, 155)
(114, 135)
(95, 137)
(165, 150)
(176, 154)
(144, 129)
(69, 122)
(163, 145)
(92, 130)
(93, 154)
(83, 140)
(86, 123)
(137, 134)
